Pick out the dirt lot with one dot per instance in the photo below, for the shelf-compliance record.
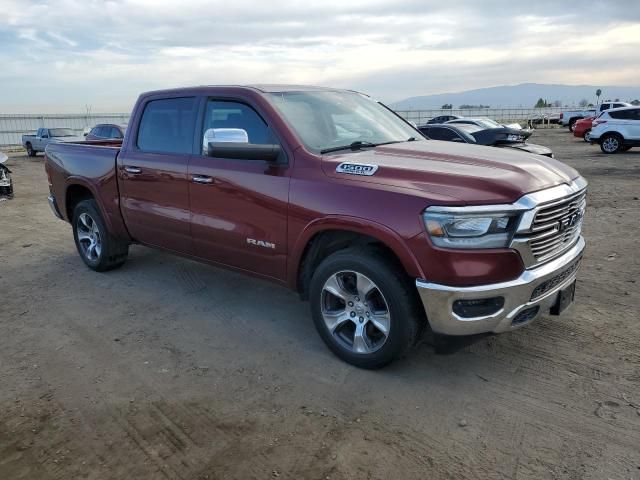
(171, 369)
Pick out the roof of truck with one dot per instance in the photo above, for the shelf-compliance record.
(264, 88)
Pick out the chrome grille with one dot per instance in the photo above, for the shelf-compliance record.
(556, 226)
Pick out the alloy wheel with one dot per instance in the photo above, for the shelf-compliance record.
(610, 144)
(89, 237)
(355, 312)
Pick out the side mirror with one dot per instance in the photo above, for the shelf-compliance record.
(224, 135)
(244, 151)
(85, 134)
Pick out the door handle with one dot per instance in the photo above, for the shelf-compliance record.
(133, 170)
(204, 179)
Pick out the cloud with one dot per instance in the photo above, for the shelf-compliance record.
(62, 55)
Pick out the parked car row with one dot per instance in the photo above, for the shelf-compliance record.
(614, 129)
(44, 136)
(482, 131)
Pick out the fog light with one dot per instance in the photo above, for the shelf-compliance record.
(478, 307)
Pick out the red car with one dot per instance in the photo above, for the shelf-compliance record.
(332, 194)
(583, 127)
(107, 131)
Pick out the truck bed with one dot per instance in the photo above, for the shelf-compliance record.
(90, 164)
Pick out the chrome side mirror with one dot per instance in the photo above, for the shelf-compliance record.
(223, 135)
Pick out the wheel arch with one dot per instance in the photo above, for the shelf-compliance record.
(328, 236)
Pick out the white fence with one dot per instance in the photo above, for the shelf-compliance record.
(502, 115)
(12, 127)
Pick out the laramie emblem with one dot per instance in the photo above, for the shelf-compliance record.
(356, 168)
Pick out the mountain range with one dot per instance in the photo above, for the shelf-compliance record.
(523, 95)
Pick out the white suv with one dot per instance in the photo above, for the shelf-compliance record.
(617, 130)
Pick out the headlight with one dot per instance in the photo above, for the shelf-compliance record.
(470, 230)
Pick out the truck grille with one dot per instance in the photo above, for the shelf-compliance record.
(556, 226)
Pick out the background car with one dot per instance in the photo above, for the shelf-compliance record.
(581, 128)
(496, 137)
(443, 119)
(484, 122)
(6, 184)
(617, 130)
(107, 131)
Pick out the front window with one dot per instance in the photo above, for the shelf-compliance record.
(61, 132)
(330, 119)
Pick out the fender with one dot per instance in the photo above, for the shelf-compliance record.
(380, 232)
(115, 222)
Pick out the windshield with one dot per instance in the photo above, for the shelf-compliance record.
(61, 132)
(487, 122)
(328, 119)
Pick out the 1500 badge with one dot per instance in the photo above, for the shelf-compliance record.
(356, 168)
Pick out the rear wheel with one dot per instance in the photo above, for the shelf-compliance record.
(611, 143)
(364, 308)
(30, 151)
(99, 250)
(572, 124)
(586, 135)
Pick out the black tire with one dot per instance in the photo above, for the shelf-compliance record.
(112, 252)
(611, 143)
(586, 136)
(30, 151)
(572, 124)
(406, 315)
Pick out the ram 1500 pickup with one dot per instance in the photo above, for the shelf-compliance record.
(332, 194)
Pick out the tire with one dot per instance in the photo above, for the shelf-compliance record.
(572, 124)
(390, 303)
(99, 250)
(586, 136)
(611, 143)
(30, 151)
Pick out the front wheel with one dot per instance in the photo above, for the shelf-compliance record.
(99, 250)
(586, 135)
(611, 143)
(364, 308)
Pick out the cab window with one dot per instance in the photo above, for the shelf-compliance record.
(226, 121)
(167, 126)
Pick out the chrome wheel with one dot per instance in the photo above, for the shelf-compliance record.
(610, 144)
(355, 312)
(89, 237)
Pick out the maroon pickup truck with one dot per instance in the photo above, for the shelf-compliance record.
(335, 196)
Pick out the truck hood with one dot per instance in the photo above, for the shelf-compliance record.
(468, 174)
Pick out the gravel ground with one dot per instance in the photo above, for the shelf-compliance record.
(171, 369)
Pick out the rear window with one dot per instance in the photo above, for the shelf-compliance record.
(167, 126)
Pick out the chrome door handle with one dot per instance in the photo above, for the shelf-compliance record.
(204, 179)
(133, 170)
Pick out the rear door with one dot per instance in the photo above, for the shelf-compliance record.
(239, 207)
(153, 174)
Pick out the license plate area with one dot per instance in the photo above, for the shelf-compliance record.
(564, 299)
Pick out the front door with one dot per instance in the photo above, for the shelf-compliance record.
(153, 175)
(239, 207)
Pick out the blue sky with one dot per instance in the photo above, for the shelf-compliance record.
(63, 55)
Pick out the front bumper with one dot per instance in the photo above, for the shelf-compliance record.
(536, 287)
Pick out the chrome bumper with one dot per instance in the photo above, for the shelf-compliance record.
(54, 206)
(438, 299)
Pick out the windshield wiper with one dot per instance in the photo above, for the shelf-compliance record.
(358, 144)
